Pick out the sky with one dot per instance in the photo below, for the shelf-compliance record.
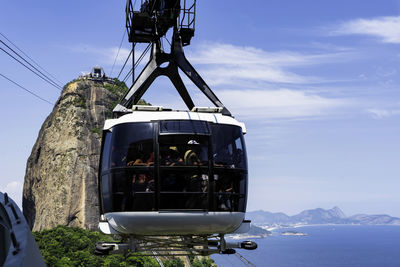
(316, 82)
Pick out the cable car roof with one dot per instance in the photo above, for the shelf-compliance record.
(147, 116)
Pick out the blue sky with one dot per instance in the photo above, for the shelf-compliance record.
(316, 82)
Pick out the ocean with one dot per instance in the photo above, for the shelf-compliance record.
(324, 246)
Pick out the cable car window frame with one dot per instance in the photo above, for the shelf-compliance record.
(209, 199)
(125, 158)
(193, 202)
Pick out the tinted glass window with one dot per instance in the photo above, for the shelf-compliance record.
(189, 127)
(132, 189)
(183, 201)
(228, 146)
(183, 150)
(141, 193)
(230, 189)
(206, 171)
(106, 193)
(132, 145)
(105, 162)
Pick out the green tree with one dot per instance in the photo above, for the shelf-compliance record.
(174, 262)
(72, 246)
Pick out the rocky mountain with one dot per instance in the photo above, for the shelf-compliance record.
(319, 216)
(267, 217)
(258, 231)
(60, 186)
(374, 219)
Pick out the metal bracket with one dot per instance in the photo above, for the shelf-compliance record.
(176, 59)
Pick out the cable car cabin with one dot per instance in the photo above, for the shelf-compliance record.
(173, 173)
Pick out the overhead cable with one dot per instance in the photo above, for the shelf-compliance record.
(137, 62)
(142, 55)
(37, 64)
(120, 45)
(167, 40)
(43, 75)
(27, 90)
(129, 56)
(127, 75)
(43, 78)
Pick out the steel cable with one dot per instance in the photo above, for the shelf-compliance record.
(137, 62)
(129, 56)
(43, 78)
(27, 90)
(116, 57)
(37, 64)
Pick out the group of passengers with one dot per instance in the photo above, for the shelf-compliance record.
(142, 161)
(182, 181)
(142, 183)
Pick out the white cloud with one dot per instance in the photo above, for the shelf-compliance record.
(106, 56)
(229, 69)
(386, 28)
(229, 64)
(279, 104)
(227, 54)
(266, 105)
(383, 113)
(14, 190)
(226, 64)
(272, 91)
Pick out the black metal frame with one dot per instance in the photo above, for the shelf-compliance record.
(175, 59)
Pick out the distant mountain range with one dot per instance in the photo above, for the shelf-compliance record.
(319, 216)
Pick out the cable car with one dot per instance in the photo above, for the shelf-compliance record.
(173, 173)
(188, 169)
(164, 172)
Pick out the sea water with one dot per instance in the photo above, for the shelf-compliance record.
(324, 246)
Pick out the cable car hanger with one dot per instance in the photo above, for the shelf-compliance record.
(175, 59)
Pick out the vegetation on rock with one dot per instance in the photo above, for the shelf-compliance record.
(201, 261)
(117, 88)
(73, 246)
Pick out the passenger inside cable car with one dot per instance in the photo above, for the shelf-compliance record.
(174, 165)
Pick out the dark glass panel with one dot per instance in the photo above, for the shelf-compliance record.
(188, 127)
(142, 189)
(130, 189)
(183, 200)
(184, 168)
(132, 145)
(230, 189)
(183, 150)
(106, 193)
(120, 189)
(184, 179)
(228, 146)
(105, 161)
(142, 201)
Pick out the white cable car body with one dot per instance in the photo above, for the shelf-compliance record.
(174, 173)
(178, 196)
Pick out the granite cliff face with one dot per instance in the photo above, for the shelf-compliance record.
(61, 175)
